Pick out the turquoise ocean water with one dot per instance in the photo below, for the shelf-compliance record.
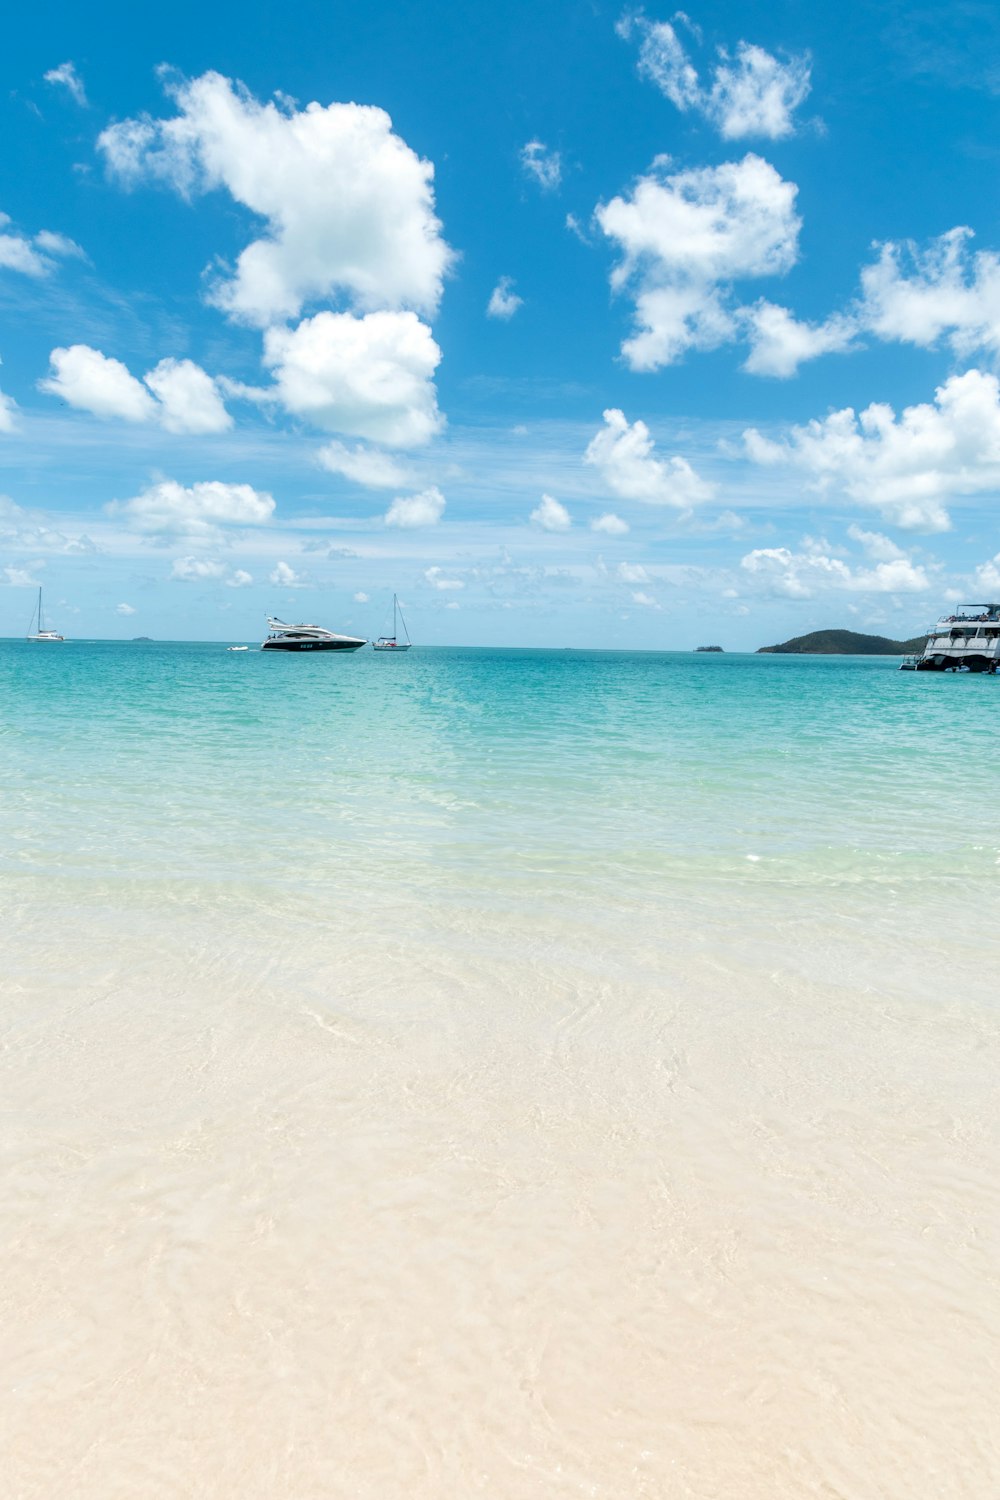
(542, 1069)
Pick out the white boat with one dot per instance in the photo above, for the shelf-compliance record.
(237, 648)
(41, 634)
(282, 637)
(392, 642)
(968, 641)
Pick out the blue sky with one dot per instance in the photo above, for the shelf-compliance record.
(571, 324)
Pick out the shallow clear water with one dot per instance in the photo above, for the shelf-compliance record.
(505, 1072)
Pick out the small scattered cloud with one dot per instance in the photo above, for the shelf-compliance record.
(23, 578)
(368, 466)
(623, 455)
(196, 569)
(747, 93)
(66, 76)
(124, 609)
(610, 524)
(504, 301)
(779, 343)
(803, 575)
(239, 579)
(646, 600)
(412, 511)
(436, 580)
(543, 165)
(360, 598)
(550, 515)
(285, 576)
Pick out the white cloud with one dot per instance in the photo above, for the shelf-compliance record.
(196, 569)
(453, 605)
(543, 165)
(611, 524)
(239, 579)
(189, 398)
(779, 343)
(684, 238)
(348, 206)
(623, 456)
(550, 515)
(411, 511)
(285, 576)
(18, 254)
(876, 546)
(8, 412)
(361, 598)
(177, 394)
(905, 467)
(752, 93)
(367, 466)
(436, 581)
(124, 609)
(197, 510)
(504, 301)
(69, 78)
(89, 380)
(917, 296)
(632, 573)
(801, 575)
(646, 600)
(59, 244)
(369, 377)
(986, 578)
(21, 578)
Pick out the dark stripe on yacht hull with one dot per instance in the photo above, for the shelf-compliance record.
(312, 645)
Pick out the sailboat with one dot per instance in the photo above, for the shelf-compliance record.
(41, 634)
(392, 642)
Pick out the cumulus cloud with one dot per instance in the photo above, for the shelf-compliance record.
(684, 239)
(411, 511)
(632, 573)
(124, 609)
(801, 575)
(437, 580)
(750, 93)
(504, 301)
(197, 510)
(876, 546)
(196, 569)
(917, 295)
(369, 377)
(239, 579)
(348, 206)
(189, 398)
(66, 76)
(87, 379)
(367, 466)
(622, 453)
(610, 524)
(177, 394)
(543, 165)
(550, 515)
(905, 467)
(32, 257)
(779, 343)
(360, 598)
(8, 412)
(22, 578)
(646, 600)
(285, 576)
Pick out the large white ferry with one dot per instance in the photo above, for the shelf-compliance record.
(965, 642)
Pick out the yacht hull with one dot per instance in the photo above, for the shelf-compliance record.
(312, 645)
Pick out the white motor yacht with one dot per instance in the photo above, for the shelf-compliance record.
(282, 637)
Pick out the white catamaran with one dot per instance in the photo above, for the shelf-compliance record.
(392, 642)
(41, 634)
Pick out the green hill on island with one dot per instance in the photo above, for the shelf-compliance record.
(843, 643)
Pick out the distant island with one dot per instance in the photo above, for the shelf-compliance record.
(708, 648)
(843, 643)
(141, 638)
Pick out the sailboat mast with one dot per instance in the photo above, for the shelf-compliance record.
(39, 609)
